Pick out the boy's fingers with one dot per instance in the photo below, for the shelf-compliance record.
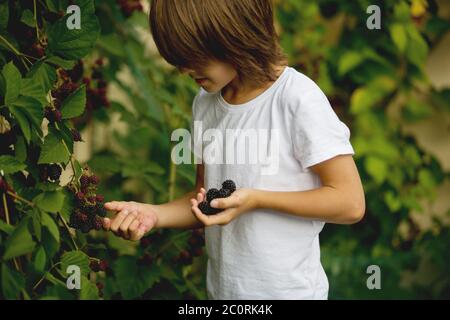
(199, 197)
(137, 234)
(133, 227)
(224, 203)
(118, 219)
(126, 224)
(106, 224)
(114, 205)
(200, 216)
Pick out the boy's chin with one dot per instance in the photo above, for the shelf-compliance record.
(210, 88)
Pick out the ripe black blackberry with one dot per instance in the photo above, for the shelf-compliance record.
(205, 208)
(100, 209)
(230, 185)
(224, 193)
(52, 115)
(211, 194)
(84, 181)
(54, 171)
(76, 136)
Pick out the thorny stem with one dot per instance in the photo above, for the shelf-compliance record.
(68, 230)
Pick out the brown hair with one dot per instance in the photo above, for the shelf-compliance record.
(238, 32)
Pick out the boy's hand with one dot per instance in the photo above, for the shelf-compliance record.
(240, 201)
(132, 220)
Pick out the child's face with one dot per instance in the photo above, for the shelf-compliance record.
(213, 76)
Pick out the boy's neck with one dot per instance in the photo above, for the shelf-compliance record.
(237, 92)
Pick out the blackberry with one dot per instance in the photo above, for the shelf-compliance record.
(76, 136)
(185, 257)
(94, 265)
(207, 209)
(80, 195)
(82, 218)
(197, 252)
(103, 265)
(224, 193)
(54, 171)
(97, 223)
(52, 115)
(146, 260)
(100, 209)
(94, 179)
(230, 185)
(99, 198)
(73, 222)
(212, 194)
(86, 228)
(84, 181)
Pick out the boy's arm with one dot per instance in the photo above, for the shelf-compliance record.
(339, 200)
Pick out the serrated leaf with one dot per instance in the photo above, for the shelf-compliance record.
(9, 164)
(32, 109)
(20, 149)
(77, 258)
(74, 105)
(12, 282)
(53, 151)
(19, 242)
(50, 201)
(133, 280)
(75, 44)
(399, 36)
(7, 228)
(13, 80)
(43, 74)
(50, 224)
(65, 64)
(89, 290)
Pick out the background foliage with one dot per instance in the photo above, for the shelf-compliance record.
(126, 102)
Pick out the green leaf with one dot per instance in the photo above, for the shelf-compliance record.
(68, 204)
(24, 124)
(9, 164)
(53, 151)
(133, 280)
(20, 242)
(399, 36)
(39, 261)
(43, 74)
(4, 15)
(77, 258)
(49, 243)
(50, 201)
(13, 80)
(50, 224)
(65, 64)
(32, 109)
(12, 282)
(73, 106)
(7, 228)
(28, 18)
(417, 48)
(20, 149)
(89, 290)
(349, 61)
(377, 168)
(77, 43)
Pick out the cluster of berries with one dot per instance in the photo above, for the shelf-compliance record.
(228, 187)
(89, 206)
(129, 6)
(96, 87)
(99, 265)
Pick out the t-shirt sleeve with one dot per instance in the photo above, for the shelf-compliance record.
(318, 133)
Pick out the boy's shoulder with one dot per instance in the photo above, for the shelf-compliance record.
(299, 88)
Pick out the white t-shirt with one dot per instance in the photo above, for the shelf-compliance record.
(265, 254)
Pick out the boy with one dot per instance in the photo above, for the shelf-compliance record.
(265, 244)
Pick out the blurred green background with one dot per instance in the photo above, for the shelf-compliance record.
(390, 86)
